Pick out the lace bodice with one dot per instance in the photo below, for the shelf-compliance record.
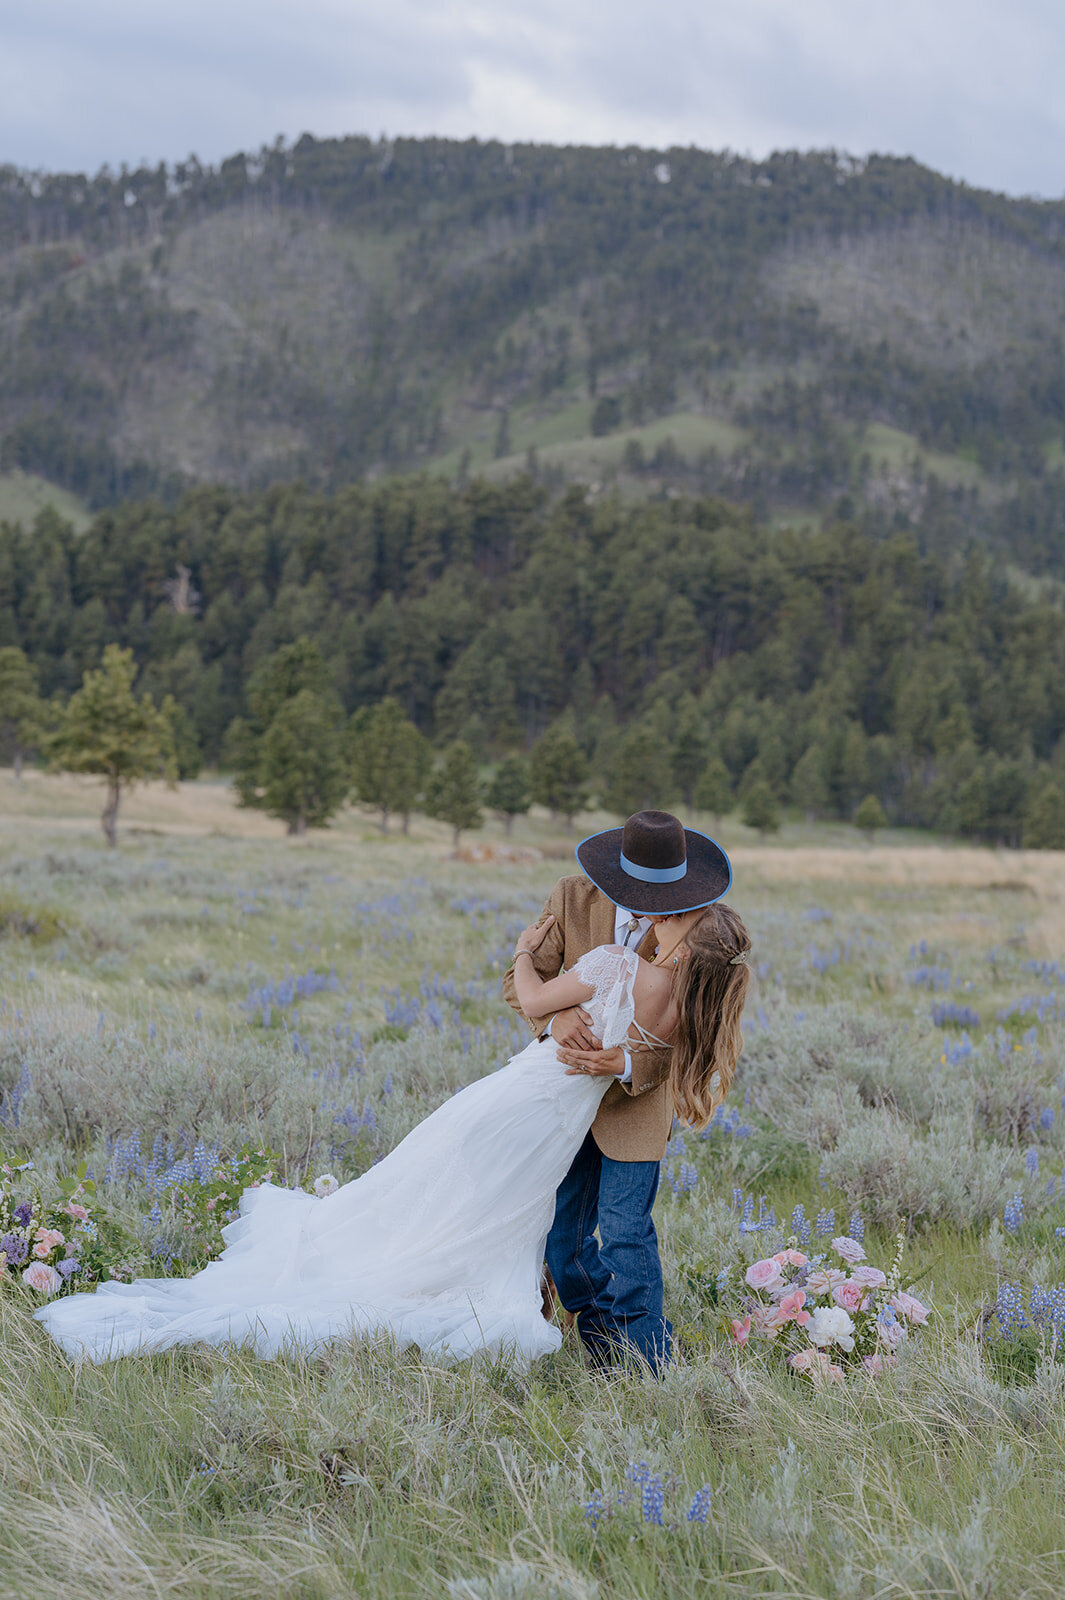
(612, 1008)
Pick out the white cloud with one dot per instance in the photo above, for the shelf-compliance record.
(972, 88)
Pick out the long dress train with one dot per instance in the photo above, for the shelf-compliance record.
(439, 1245)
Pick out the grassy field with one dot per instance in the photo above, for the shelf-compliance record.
(144, 1009)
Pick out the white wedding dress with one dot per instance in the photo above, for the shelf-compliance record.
(439, 1245)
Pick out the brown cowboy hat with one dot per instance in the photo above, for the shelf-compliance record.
(655, 864)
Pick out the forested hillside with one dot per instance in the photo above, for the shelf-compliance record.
(695, 653)
(810, 335)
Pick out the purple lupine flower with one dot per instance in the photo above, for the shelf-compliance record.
(699, 1510)
(653, 1499)
(1031, 1162)
(23, 1213)
(1013, 1215)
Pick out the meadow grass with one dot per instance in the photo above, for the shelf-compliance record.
(144, 1000)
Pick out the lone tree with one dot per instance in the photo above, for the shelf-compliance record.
(760, 809)
(289, 757)
(108, 732)
(713, 792)
(22, 712)
(560, 773)
(507, 790)
(870, 816)
(302, 772)
(453, 791)
(390, 760)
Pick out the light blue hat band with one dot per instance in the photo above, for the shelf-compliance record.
(653, 874)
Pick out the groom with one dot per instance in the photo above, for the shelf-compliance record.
(653, 867)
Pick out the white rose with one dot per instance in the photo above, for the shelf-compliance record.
(325, 1185)
(42, 1277)
(831, 1325)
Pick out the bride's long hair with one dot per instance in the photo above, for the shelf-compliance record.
(710, 987)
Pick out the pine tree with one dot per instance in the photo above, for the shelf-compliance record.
(453, 791)
(691, 750)
(870, 816)
(507, 791)
(108, 732)
(760, 809)
(22, 713)
(638, 775)
(560, 773)
(809, 786)
(1044, 823)
(713, 792)
(390, 760)
(302, 774)
(289, 759)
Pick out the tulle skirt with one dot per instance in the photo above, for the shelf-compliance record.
(439, 1245)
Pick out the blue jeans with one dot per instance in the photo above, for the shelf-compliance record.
(613, 1283)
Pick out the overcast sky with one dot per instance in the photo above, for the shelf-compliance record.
(974, 88)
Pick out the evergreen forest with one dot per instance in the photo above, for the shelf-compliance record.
(680, 649)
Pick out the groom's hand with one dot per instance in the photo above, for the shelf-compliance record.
(596, 1063)
(572, 1029)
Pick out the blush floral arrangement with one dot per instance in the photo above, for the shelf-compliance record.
(51, 1243)
(826, 1318)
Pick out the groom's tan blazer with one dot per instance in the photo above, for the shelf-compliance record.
(634, 1119)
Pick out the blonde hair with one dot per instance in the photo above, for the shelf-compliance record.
(709, 988)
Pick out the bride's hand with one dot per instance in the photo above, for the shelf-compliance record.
(533, 937)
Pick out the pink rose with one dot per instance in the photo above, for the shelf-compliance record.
(43, 1278)
(877, 1363)
(49, 1237)
(79, 1213)
(823, 1280)
(850, 1295)
(868, 1277)
(741, 1331)
(909, 1307)
(796, 1258)
(848, 1248)
(763, 1274)
(815, 1365)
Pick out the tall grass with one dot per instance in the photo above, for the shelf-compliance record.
(160, 1006)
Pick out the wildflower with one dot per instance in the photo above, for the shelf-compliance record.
(596, 1509)
(699, 1510)
(653, 1499)
(79, 1213)
(825, 1224)
(889, 1328)
(848, 1249)
(326, 1185)
(1031, 1162)
(741, 1329)
(14, 1249)
(856, 1227)
(22, 1214)
(850, 1295)
(1013, 1215)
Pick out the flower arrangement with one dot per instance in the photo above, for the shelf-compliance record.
(826, 1317)
(52, 1243)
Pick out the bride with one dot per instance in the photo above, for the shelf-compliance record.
(441, 1244)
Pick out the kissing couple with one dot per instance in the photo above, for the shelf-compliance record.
(633, 982)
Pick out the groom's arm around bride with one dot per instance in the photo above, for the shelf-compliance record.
(635, 1117)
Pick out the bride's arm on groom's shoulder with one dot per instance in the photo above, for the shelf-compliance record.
(536, 995)
(547, 958)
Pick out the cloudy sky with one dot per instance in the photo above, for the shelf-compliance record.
(975, 88)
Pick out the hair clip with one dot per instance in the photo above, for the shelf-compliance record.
(740, 960)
